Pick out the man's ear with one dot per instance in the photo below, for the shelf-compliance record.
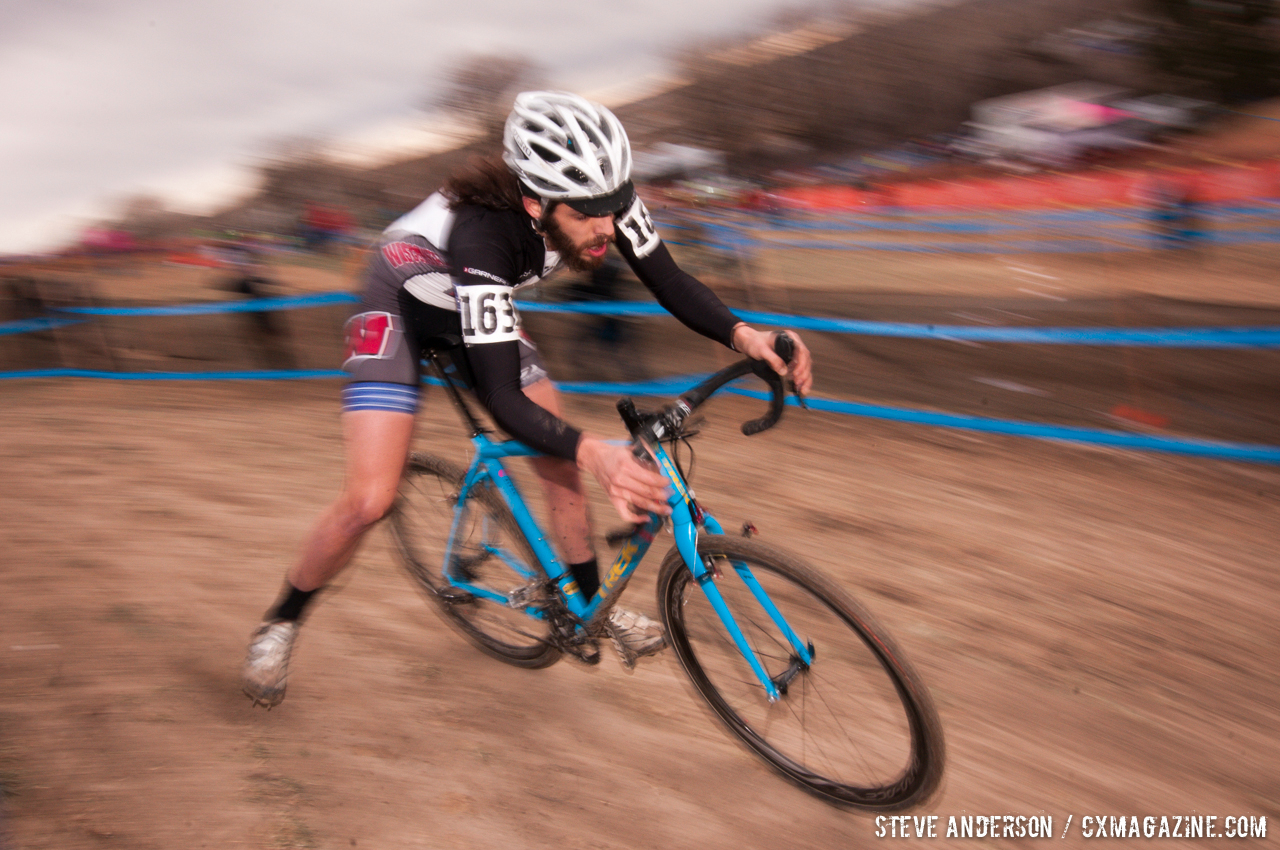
(532, 207)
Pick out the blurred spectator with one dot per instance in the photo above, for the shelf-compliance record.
(1174, 212)
(23, 301)
(324, 227)
(610, 334)
(1190, 220)
(245, 258)
(764, 203)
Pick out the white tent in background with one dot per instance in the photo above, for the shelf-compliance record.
(1054, 126)
(669, 160)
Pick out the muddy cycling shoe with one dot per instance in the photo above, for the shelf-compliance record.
(266, 666)
(634, 635)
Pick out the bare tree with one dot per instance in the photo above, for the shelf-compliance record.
(145, 216)
(479, 91)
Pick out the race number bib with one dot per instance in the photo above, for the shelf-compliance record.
(488, 314)
(636, 225)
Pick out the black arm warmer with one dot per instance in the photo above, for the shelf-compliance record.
(496, 367)
(681, 294)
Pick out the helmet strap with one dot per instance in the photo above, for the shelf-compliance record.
(548, 207)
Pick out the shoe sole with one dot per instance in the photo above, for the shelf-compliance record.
(267, 701)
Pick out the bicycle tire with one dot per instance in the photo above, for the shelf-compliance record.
(856, 728)
(420, 523)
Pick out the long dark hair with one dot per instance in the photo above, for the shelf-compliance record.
(485, 182)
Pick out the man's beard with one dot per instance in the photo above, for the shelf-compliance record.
(574, 256)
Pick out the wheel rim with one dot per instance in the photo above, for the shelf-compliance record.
(422, 521)
(842, 729)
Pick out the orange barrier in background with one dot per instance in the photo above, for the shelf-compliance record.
(1211, 184)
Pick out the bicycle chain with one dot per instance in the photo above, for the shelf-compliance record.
(565, 632)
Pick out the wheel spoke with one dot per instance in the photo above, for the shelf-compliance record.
(488, 553)
(844, 728)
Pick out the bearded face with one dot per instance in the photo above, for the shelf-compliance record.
(583, 241)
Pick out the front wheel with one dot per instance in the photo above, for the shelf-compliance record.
(855, 726)
(489, 553)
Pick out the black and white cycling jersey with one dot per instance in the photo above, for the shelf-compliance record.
(469, 262)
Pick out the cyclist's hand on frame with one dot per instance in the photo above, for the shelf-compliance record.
(758, 345)
(634, 490)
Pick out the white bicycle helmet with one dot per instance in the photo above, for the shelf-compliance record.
(565, 148)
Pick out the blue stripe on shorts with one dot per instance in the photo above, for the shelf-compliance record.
(373, 395)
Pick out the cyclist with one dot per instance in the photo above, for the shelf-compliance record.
(558, 196)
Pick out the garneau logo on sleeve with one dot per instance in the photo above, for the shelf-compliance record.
(488, 314)
(636, 225)
(483, 273)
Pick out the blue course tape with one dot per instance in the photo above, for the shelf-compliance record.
(1191, 337)
(1250, 114)
(1188, 337)
(595, 308)
(1204, 337)
(255, 305)
(660, 386)
(255, 375)
(1252, 452)
(43, 323)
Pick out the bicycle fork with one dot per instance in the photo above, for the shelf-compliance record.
(686, 534)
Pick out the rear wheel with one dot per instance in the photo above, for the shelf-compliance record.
(489, 552)
(855, 727)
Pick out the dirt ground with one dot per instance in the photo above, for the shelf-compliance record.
(1097, 626)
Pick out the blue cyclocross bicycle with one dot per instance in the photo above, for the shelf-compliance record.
(787, 659)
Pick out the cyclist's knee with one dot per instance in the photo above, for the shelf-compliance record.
(364, 508)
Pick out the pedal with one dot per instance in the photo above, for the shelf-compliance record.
(565, 634)
(529, 595)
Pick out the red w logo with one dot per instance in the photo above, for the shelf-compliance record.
(367, 335)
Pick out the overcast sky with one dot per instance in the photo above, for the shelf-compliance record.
(101, 100)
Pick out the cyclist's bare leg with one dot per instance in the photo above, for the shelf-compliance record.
(633, 634)
(376, 444)
(562, 484)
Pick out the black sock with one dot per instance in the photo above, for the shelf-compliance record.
(587, 575)
(291, 604)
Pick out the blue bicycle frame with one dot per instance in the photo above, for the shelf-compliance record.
(687, 516)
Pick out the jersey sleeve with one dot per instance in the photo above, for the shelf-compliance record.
(680, 293)
(485, 268)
